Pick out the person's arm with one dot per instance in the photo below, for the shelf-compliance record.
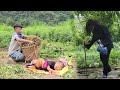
(49, 69)
(23, 40)
(90, 43)
(53, 71)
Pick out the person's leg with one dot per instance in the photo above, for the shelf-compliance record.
(22, 60)
(105, 59)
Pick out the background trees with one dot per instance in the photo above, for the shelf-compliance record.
(34, 17)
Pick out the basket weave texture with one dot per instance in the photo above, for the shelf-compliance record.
(30, 51)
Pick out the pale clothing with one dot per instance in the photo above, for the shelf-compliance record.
(14, 44)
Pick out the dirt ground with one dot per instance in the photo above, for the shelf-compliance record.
(96, 73)
(4, 59)
(92, 73)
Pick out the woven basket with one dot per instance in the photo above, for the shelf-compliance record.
(30, 51)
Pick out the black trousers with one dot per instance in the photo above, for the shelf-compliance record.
(105, 61)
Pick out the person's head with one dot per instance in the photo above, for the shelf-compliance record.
(18, 28)
(60, 64)
(91, 25)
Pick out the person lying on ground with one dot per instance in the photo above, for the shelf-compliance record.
(48, 65)
(16, 40)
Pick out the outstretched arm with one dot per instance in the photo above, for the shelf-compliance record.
(90, 43)
(50, 69)
(23, 40)
(53, 71)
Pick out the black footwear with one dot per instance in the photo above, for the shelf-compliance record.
(105, 75)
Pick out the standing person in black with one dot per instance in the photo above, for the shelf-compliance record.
(101, 33)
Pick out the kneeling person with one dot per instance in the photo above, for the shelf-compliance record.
(15, 49)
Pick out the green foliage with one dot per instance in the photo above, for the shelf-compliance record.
(78, 31)
(55, 49)
(114, 57)
(93, 59)
(62, 40)
(27, 18)
(109, 18)
(106, 17)
(5, 36)
(66, 38)
(70, 74)
(59, 33)
(17, 72)
(11, 71)
(59, 38)
(115, 31)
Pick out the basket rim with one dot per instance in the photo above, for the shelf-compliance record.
(29, 46)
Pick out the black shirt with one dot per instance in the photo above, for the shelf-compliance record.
(104, 35)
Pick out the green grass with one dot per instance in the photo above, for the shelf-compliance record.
(60, 40)
(10, 71)
(93, 58)
(71, 74)
(17, 72)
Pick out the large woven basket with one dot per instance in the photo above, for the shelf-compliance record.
(30, 51)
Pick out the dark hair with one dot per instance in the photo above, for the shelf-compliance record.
(17, 25)
(91, 23)
(51, 64)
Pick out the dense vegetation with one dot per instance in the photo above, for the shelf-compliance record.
(109, 18)
(65, 38)
(33, 17)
